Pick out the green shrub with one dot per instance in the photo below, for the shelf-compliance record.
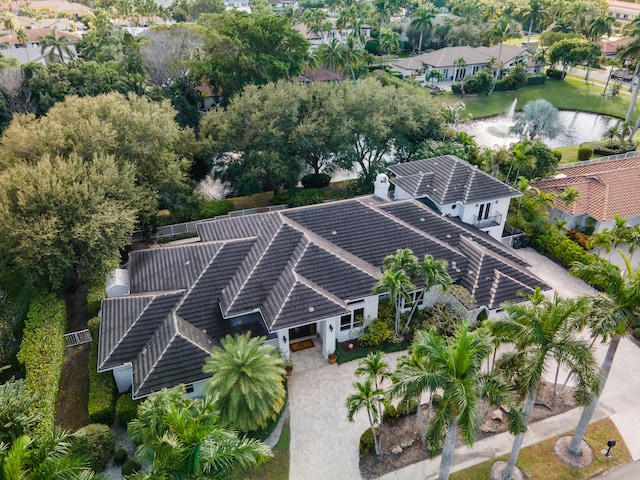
(95, 442)
(214, 208)
(386, 310)
(585, 152)
(538, 79)
(441, 319)
(262, 433)
(120, 456)
(407, 407)
(366, 442)
(615, 147)
(309, 196)
(636, 333)
(126, 409)
(377, 332)
(436, 400)
(555, 74)
(455, 88)
(479, 83)
(281, 197)
(557, 154)
(129, 467)
(362, 352)
(340, 194)
(391, 414)
(102, 388)
(42, 354)
(560, 247)
(313, 180)
(94, 298)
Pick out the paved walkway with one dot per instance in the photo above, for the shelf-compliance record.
(325, 446)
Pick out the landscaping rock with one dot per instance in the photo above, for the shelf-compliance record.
(397, 450)
(497, 415)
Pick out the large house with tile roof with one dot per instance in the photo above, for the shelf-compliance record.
(606, 187)
(289, 274)
(475, 59)
(457, 189)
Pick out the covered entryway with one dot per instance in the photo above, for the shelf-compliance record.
(302, 332)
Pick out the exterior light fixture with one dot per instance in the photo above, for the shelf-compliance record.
(331, 328)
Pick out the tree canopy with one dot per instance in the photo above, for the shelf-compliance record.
(242, 49)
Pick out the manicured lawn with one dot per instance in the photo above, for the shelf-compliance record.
(252, 201)
(276, 468)
(539, 461)
(570, 154)
(569, 94)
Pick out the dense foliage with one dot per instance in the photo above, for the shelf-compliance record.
(95, 442)
(102, 388)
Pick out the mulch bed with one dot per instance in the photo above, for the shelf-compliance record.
(404, 436)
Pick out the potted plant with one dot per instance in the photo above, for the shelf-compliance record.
(288, 366)
(332, 358)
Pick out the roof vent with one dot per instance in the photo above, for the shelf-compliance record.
(381, 187)
(311, 309)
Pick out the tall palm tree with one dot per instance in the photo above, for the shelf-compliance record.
(534, 10)
(611, 313)
(521, 158)
(544, 330)
(422, 20)
(53, 45)
(398, 285)
(47, 459)
(352, 55)
(500, 31)
(389, 41)
(632, 51)
(598, 27)
(331, 55)
(184, 438)
(248, 380)
(453, 365)
(374, 368)
(368, 398)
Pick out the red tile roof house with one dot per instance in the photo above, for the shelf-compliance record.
(290, 274)
(606, 187)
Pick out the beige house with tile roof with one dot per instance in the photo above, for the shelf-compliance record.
(444, 60)
(606, 187)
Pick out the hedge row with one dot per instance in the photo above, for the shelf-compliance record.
(606, 147)
(562, 248)
(102, 389)
(361, 352)
(42, 354)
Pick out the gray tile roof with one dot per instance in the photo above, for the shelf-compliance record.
(279, 270)
(448, 179)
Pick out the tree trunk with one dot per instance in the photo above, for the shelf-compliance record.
(447, 450)
(495, 78)
(574, 447)
(529, 34)
(77, 307)
(634, 97)
(507, 474)
(637, 124)
(420, 43)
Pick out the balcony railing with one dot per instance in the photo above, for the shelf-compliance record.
(492, 221)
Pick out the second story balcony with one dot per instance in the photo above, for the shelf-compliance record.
(491, 221)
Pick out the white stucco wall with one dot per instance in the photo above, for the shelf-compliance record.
(124, 377)
(198, 388)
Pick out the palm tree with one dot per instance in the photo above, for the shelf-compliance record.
(453, 365)
(435, 76)
(389, 41)
(398, 285)
(500, 31)
(423, 21)
(542, 330)
(599, 26)
(369, 398)
(47, 459)
(632, 50)
(611, 313)
(520, 158)
(183, 438)
(331, 55)
(534, 11)
(352, 55)
(248, 380)
(374, 368)
(55, 45)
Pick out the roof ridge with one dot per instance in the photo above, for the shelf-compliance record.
(494, 285)
(334, 249)
(253, 268)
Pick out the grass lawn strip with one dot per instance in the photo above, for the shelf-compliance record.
(539, 462)
(277, 468)
(570, 94)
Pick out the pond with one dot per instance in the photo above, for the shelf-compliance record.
(579, 127)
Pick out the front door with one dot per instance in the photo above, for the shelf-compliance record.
(305, 331)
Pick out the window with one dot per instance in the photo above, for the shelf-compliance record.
(413, 298)
(483, 211)
(188, 388)
(352, 320)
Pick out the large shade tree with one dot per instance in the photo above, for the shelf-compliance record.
(247, 381)
(612, 311)
(544, 330)
(184, 438)
(65, 220)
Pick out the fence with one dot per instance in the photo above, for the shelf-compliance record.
(190, 227)
(77, 338)
(610, 158)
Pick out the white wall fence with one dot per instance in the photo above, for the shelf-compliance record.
(77, 338)
(610, 158)
(190, 227)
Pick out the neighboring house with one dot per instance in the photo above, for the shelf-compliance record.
(290, 274)
(320, 74)
(605, 186)
(11, 47)
(317, 38)
(281, 5)
(624, 12)
(457, 189)
(610, 47)
(60, 7)
(444, 60)
(239, 5)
